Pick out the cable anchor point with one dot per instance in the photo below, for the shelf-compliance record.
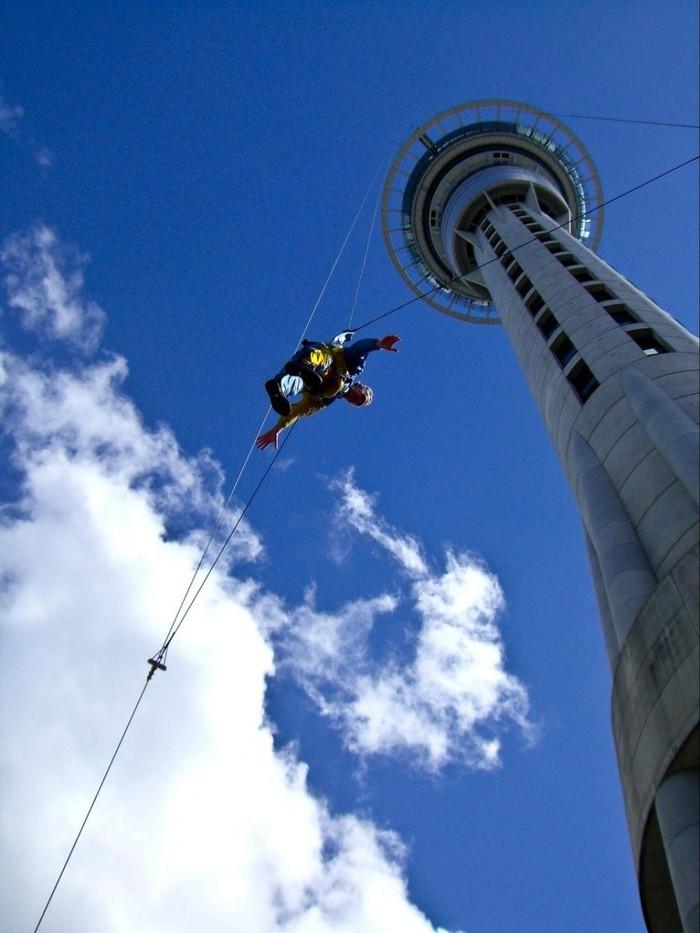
(156, 665)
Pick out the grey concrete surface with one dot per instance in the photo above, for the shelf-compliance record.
(629, 448)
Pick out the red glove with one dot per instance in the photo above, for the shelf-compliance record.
(387, 343)
(268, 438)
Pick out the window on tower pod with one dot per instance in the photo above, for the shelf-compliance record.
(647, 341)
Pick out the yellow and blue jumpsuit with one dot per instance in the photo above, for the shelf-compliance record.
(337, 366)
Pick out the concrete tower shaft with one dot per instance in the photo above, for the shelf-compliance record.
(492, 216)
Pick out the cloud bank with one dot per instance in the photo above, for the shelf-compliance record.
(452, 698)
(203, 823)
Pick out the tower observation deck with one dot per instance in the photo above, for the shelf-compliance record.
(492, 212)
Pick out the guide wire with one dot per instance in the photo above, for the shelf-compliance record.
(216, 527)
(149, 676)
(176, 625)
(337, 258)
(156, 662)
(92, 804)
(366, 252)
(223, 547)
(488, 262)
(160, 655)
(581, 116)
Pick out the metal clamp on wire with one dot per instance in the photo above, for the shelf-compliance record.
(156, 665)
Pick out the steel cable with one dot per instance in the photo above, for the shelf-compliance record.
(178, 619)
(177, 623)
(488, 262)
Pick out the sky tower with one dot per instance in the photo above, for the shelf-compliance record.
(487, 216)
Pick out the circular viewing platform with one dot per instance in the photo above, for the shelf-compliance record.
(452, 170)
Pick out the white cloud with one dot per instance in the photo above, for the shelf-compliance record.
(10, 125)
(44, 157)
(202, 824)
(9, 118)
(43, 283)
(357, 507)
(85, 416)
(451, 700)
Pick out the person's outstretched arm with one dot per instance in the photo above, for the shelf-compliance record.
(356, 353)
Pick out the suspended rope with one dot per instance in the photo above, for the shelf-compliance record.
(176, 629)
(456, 278)
(581, 116)
(157, 662)
(92, 804)
(337, 260)
(214, 530)
(364, 257)
(160, 655)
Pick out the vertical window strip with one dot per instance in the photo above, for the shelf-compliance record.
(582, 381)
(546, 323)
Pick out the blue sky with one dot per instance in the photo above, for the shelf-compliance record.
(177, 180)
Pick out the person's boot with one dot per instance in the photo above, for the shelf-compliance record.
(277, 400)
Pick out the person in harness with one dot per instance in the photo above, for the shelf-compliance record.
(320, 373)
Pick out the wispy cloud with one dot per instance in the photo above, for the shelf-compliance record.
(44, 157)
(357, 507)
(204, 825)
(452, 698)
(43, 283)
(10, 117)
